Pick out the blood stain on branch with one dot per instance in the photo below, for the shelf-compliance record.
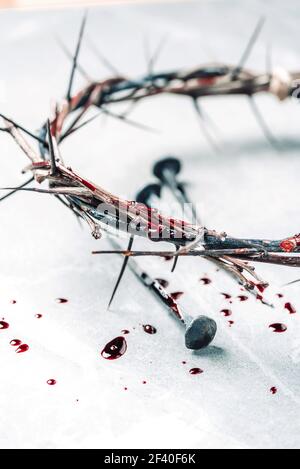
(290, 244)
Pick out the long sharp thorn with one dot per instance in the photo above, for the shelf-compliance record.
(235, 73)
(20, 127)
(102, 58)
(291, 283)
(122, 272)
(14, 191)
(269, 61)
(263, 125)
(80, 126)
(129, 121)
(51, 150)
(70, 56)
(156, 54)
(206, 134)
(75, 58)
(176, 259)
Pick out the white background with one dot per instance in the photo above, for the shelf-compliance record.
(248, 190)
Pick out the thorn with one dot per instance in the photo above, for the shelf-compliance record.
(16, 189)
(156, 54)
(20, 127)
(175, 261)
(122, 272)
(206, 134)
(269, 61)
(69, 55)
(102, 58)
(74, 66)
(291, 283)
(264, 126)
(51, 150)
(235, 73)
(123, 117)
(88, 121)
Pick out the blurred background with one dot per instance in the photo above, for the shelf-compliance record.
(49, 3)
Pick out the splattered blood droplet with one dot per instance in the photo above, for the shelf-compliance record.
(196, 371)
(61, 301)
(243, 298)
(273, 390)
(230, 323)
(226, 312)
(278, 327)
(149, 329)
(51, 382)
(291, 309)
(4, 325)
(13, 302)
(23, 348)
(205, 281)
(184, 363)
(38, 316)
(144, 382)
(15, 343)
(164, 283)
(125, 332)
(114, 349)
(176, 295)
(226, 296)
(279, 295)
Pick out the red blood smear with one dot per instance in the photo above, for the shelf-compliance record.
(61, 300)
(260, 297)
(23, 348)
(205, 281)
(168, 258)
(125, 331)
(274, 390)
(278, 328)
(196, 371)
(243, 298)
(38, 316)
(114, 349)
(226, 312)
(164, 283)
(15, 342)
(260, 287)
(177, 295)
(149, 329)
(226, 296)
(291, 309)
(51, 382)
(4, 325)
(290, 244)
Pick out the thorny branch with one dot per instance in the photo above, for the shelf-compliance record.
(100, 208)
